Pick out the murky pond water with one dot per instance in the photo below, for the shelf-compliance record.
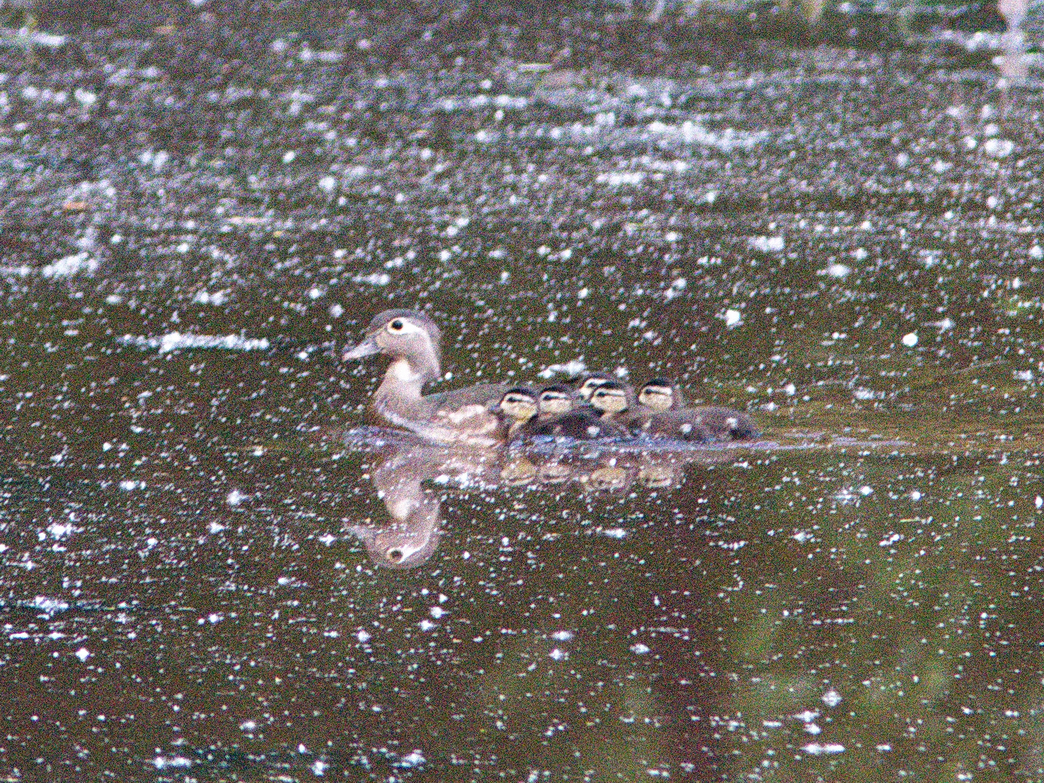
(209, 572)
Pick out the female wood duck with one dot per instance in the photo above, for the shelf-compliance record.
(663, 414)
(414, 343)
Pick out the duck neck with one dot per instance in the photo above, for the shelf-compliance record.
(398, 399)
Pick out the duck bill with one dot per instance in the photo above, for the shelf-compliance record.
(367, 347)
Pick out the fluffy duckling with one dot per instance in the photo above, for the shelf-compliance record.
(555, 400)
(561, 416)
(591, 382)
(612, 399)
(518, 406)
(662, 414)
(660, 395)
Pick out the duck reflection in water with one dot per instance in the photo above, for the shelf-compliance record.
(412, 478)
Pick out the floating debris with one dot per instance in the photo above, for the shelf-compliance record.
(177, 341)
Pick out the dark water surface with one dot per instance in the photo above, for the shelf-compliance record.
(208, 573)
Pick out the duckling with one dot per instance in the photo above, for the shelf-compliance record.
(591, 382)
(518, 406)
(685, 424)
(581, 424)
(665, 416)
(717, 422)
(414, 342)
(654, 397)
(555, 400)
(725, 423)
(612, 399)
(560, 416)
(660, 395)
(587, 422)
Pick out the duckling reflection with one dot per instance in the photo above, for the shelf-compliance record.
(404, 468)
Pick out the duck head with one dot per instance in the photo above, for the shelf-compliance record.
(410, 337)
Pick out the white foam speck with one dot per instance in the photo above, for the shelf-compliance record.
(176, 341)
(829, 748)
(767, 244)
(572, 367)
(726, 140)
(71, 265)
(615, 179)
(998, 148)
(163, 762)
(838, 271)
(414, 759)
(831, 698)
(217, 298)
(376, 279)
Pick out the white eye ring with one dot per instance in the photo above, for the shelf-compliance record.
(403, 326)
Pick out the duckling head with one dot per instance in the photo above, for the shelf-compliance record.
(518, 403)
(592, 382)
(410, 337)
(610, 398)
(660, 395)
(555, 400)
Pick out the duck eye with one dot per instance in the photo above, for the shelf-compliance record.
(396, 325)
